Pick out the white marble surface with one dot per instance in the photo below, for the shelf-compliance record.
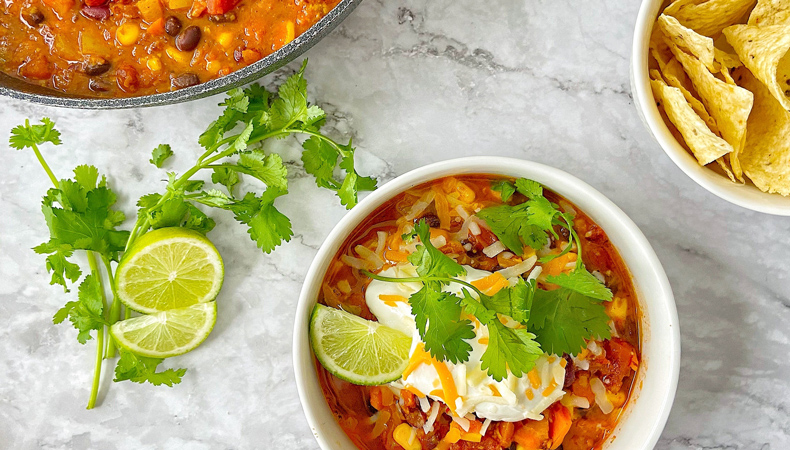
(417, 81)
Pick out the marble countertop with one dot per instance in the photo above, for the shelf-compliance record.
(413, 82)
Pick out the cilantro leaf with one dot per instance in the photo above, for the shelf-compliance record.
(86, 314)
(438, 318)
(583, 282)
(140, 369)
(428, 260)
(226, 177)
(319, 160)
(562, 319)
(269, 227)
(505, 188)
(160, 155)
(267, 168)
(525, 224)
(85, 220)
(29, 136)
(198, 220)
(291, 104)
(171, 213)
(514, 301)
(509, 348)
(57, 263)
(353, 182)
(532, 189)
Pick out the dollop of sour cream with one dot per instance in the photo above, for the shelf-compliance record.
(464, 387)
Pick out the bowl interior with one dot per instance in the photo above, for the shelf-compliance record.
(21, 90)
(747, 196)
(648, 408)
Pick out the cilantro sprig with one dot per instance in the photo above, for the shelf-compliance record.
(562, 319)
(444, 329)
(81, 213)
(555, 321)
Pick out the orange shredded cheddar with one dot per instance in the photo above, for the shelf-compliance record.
(393, 300)
(552, 386)
(534, 378)
(494, 390)
(529, 394)
(491, 284)
(483, 341)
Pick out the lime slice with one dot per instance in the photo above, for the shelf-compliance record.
(357, 350)
(168, 333)
(169, 268)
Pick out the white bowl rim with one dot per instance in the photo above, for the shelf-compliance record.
(651, 414)
(746, 196)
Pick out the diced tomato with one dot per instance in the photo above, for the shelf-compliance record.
(559, 423)
(220, 6)
(532, 434)
(615, 365)
(94, 2)
(36, 67)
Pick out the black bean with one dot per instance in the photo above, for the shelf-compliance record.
(431, 219)
(34, 17)
(223, 18)
(188, 39)
(237, 54)
(98, 86)
(185, 80)
(99, 13)
(96, 66)
(570, 372)
(172, 26)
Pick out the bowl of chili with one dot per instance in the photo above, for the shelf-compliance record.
(108, 55)
(643, 415)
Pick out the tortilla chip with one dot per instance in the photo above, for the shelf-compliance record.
(706, 146)
(766, 155)
(659, 48)
(673, 80)
(725, 59)
(770, 12)
(709, 17)
(728, 104)
(726, 169)
(764, 51)
(687, 39)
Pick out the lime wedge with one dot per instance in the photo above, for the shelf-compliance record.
(168, 333)
(357, 350)
(169, 268)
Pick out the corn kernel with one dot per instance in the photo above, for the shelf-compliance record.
(289, 32)
(403, 436)
(178, 56)
(225, 39)
(127, 34)
(154, 63)
(618, 308)
(213, 66)
(467, 194)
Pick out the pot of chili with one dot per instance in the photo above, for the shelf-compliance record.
(110, 54)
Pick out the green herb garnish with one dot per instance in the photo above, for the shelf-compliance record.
(553, 321)
(80, 211)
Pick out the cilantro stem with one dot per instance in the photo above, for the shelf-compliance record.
(115, 309)
(99, 336)
(44, 164)
(422, 280)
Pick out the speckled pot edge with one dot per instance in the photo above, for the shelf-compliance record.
(242, 76)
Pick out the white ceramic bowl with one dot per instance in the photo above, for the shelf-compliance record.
(746, 196)
(647, 411)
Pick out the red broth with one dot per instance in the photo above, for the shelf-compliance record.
(369, 414)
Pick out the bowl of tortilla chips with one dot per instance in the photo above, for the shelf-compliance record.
(711, 81)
